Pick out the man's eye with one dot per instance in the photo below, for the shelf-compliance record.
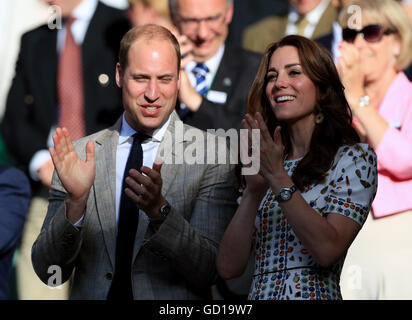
(166, 79)
(139, 79)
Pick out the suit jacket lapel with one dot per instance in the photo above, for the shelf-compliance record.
(226, 74)
(325, 23)
(105, 186)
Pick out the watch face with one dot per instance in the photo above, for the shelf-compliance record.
(164, 210)
(285, 195)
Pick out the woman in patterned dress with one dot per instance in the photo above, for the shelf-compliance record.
(316, 182)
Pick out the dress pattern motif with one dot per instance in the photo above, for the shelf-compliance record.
(284, 268)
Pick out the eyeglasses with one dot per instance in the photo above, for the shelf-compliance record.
(371, 33)
(192, 23)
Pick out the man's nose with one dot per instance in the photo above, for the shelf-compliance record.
(152, 91)
(202, 29)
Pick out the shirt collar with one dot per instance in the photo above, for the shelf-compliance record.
(313, 16)
(127, 131)
(85, 10)
(212, 63)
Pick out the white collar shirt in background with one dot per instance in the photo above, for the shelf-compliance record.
(337, 39)
(313, 17)
(83, 13)
(213, 65)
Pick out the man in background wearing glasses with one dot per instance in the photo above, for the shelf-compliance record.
(216, 77)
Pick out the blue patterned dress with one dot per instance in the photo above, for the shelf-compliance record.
(284, 268)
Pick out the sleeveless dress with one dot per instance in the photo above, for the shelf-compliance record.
(284, 268)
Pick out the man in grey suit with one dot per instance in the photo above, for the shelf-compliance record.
(180, 210)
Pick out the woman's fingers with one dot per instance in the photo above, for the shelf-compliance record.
(277, 138)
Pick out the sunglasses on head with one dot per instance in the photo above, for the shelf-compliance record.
(371, 33)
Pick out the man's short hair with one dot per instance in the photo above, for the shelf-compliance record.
(174, 8)
(147, 32)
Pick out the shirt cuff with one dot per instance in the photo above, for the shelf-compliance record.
(39, 158)
(79, 223)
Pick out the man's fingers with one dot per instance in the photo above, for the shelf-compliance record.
(136, 175)
(157, 165)
(58, 147)
(134, 185)
(90, 151)
(54, 156)
(132, 195)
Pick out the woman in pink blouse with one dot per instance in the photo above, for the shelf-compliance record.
(379, 262)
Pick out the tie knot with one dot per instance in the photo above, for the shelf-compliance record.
(70, 21)
(200, 69)
(140, 137)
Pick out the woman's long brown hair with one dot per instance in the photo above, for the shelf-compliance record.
(335, 130)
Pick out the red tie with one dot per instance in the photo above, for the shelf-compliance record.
(70, 86)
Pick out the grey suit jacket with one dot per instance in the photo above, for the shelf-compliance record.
(175, 262)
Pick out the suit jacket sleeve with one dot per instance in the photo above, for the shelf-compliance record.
(14, 202)
(59, 242)
(191, 245)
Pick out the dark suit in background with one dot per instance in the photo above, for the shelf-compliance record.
(14, 202)
(235, 75)
(32, 109)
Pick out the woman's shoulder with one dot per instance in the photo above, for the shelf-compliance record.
(354, 151)
(354, 155)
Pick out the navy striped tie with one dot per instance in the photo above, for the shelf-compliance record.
(200, 72)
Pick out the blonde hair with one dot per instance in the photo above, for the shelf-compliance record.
(160, 6)
(390, 15)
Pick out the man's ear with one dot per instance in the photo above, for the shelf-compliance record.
(118, 75)
(229, 13)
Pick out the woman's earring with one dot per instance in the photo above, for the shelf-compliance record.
(319, 118)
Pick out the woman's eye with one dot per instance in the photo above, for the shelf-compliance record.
(271, 77)
(294, 72)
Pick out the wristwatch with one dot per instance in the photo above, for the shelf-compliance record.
(165, 210)
(285, 194)
(163, 213)
(364, 101)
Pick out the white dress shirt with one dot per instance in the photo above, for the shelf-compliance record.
(213, 64)
(337, 39)
(313, 18)
(83, 13)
